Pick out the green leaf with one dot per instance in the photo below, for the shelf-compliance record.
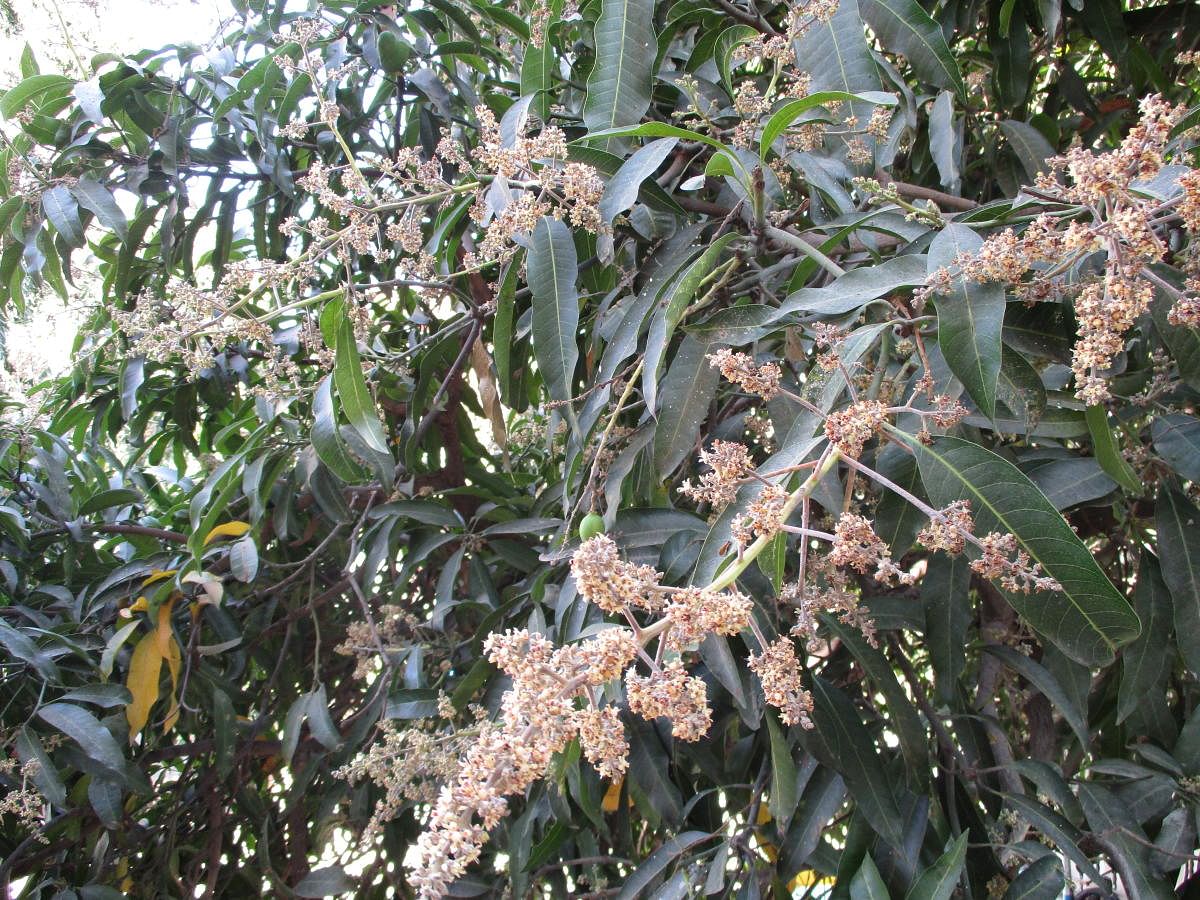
(661, 130)
(671, 307)
(357, 402)
(31, 90)
(1089, 618)
(325, 438)
(325, 882)
(1046, 684)
(552, 269)
(1146, 662)
(857, 287)
(1108, 451)
(938, 881)
(1066, 837)
(1042, 879)
(63, 212)
(1177, 440)
(688, 388)
(1177, 522)
(902, 26)
(867, 883)
(783, 117)
(643, 876)
(901, 714)
(970, 320)
(108, 499)
(784, 791)
(649, 770)
(502, 326)
(85, 729)
(623, 187)
(97, 199)
(1020, 387)
(45, 776)
(1030, 146)
(1118, 832)
(1069, 481)
(618, 88)
(842, 742)
(836, 52)
(728, 40)
(948, 612)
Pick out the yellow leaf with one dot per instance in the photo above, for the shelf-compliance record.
(770, 851)
(764, 814)
(142, 682)
(612, 797)
(174, 663)
(163, 631)
(158, 575)
(228, 529)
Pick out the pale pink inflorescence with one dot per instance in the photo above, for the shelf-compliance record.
(1035, 263)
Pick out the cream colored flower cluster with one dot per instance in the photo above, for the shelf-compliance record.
(1118, 219)
(539, 717)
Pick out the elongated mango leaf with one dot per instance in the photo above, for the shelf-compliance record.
(552, 269)
(97, 199)
(1040, 880)
(783, 117)
(903, 26)
(784, 790)
(325, 439)
(1088, 619)
(867, 883)
(1108, 451)
(1178, 524)
(1045, 682)
(688, 388)
(623, 187)
(1119, 833)
(938, 881)
(727, 42)
(1177, 440)
(948, 612)
(842, 742)
(671, 307)
(1146, 662)
(357, 402)
(618, 89)
(970, 320)
(836, 53)
(63, 212)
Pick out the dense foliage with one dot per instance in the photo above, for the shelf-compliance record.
(877, 418)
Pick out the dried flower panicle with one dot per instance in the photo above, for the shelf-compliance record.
(948, 530)
(729, 462)
(778, 668)
(1004, 561)
(850, 429)
(857, 546)
(673, 694)
(741, 369)
(763, 517)
(694, 613)
(610, 582)
(538, 719)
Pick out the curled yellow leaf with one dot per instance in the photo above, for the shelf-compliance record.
(142, 682)
(612, 797)
(158, 575)
(174, 663)
(227, 529)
